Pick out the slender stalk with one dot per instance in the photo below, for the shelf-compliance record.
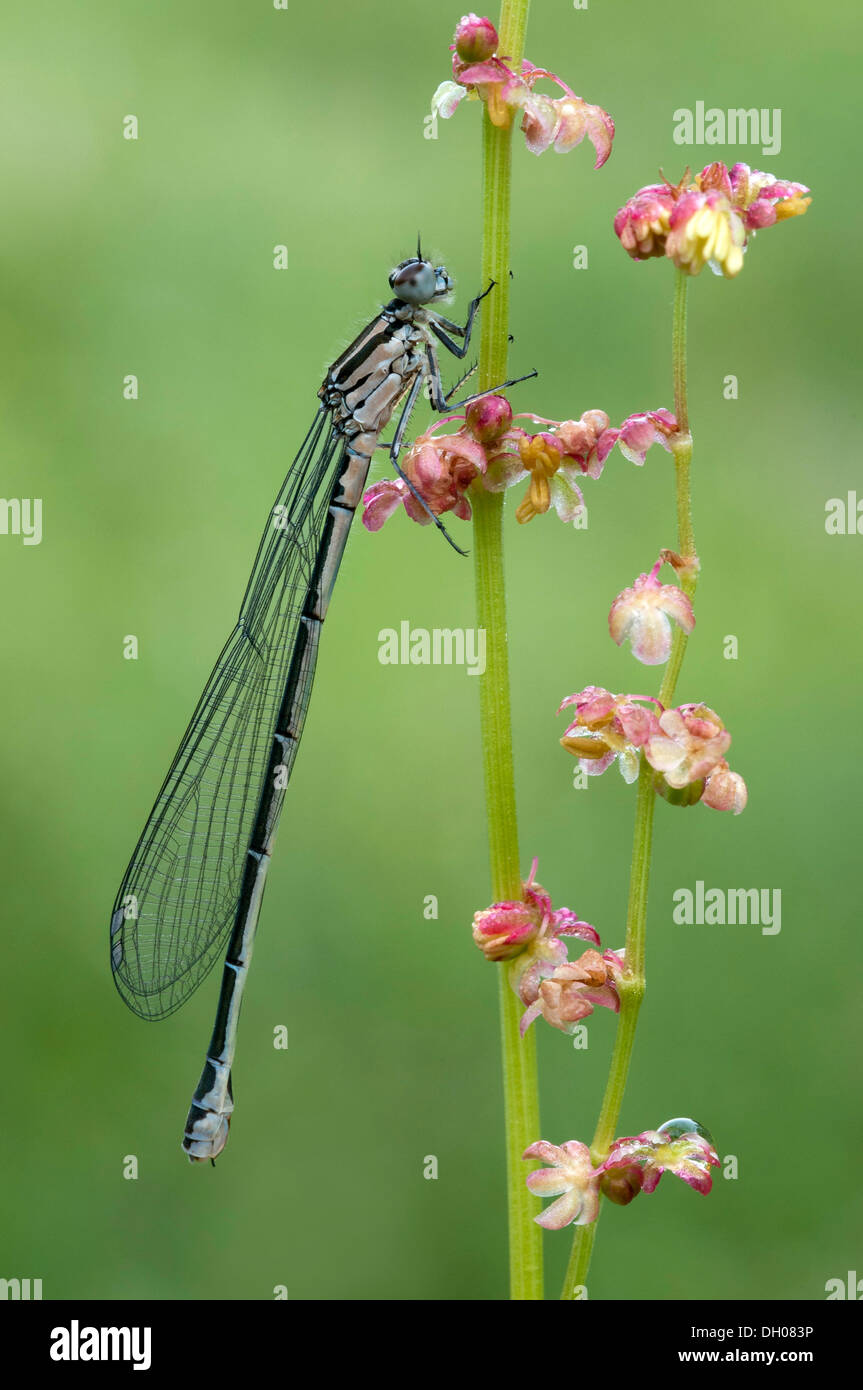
(631, 995)
(579, 1262)
(682, 453)
(678, 356)
(632, 988)
(521, 1094)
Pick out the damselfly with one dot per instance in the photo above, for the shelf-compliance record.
(196, 878)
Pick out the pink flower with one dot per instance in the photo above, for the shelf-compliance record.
(574, 989)
(564, 122)
(381, 500)
(706, 228)
(572, 1179)
(708, 219)
(539, 457)
(556, 458)
(504, 929)
(447, 98)
(636, 435)
(490, 445)
(609, 726)
(531, 929)
(725, 790)
(644, 614)
(441, 468)
(580, 439)
(633, 1165)
(479, 73)
(689, 1155)
(688, 744)
(642, 223)
(765, 199)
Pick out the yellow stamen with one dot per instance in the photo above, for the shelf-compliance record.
(791, 207)
(590, 748)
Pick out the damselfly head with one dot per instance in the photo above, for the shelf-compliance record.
(418, 282)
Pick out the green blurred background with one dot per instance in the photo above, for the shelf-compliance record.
(260, 127)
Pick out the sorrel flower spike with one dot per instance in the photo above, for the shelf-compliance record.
(708, 219)
(556, 458)
(490, 446)
(480, 73)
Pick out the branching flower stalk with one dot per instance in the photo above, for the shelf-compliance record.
(632, 987)
(708, 220)
(675, 752)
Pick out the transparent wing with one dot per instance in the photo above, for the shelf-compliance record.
(178, 900)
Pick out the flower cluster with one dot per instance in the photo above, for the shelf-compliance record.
(707, 220)
(489, 445)
(573, 990)
(529, 934)
(633, 1165)
(685, 746)
(479, 73)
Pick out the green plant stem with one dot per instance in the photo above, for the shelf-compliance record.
(631, 995)
(521, 1092)
(682, 453)
(678, 356)
(632, 987)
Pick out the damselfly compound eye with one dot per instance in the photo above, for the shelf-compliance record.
(414, 281)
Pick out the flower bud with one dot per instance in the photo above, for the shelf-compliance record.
(725, 790)
(505, 929)
(489, 418)
(475, 39)
(621, 1185)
